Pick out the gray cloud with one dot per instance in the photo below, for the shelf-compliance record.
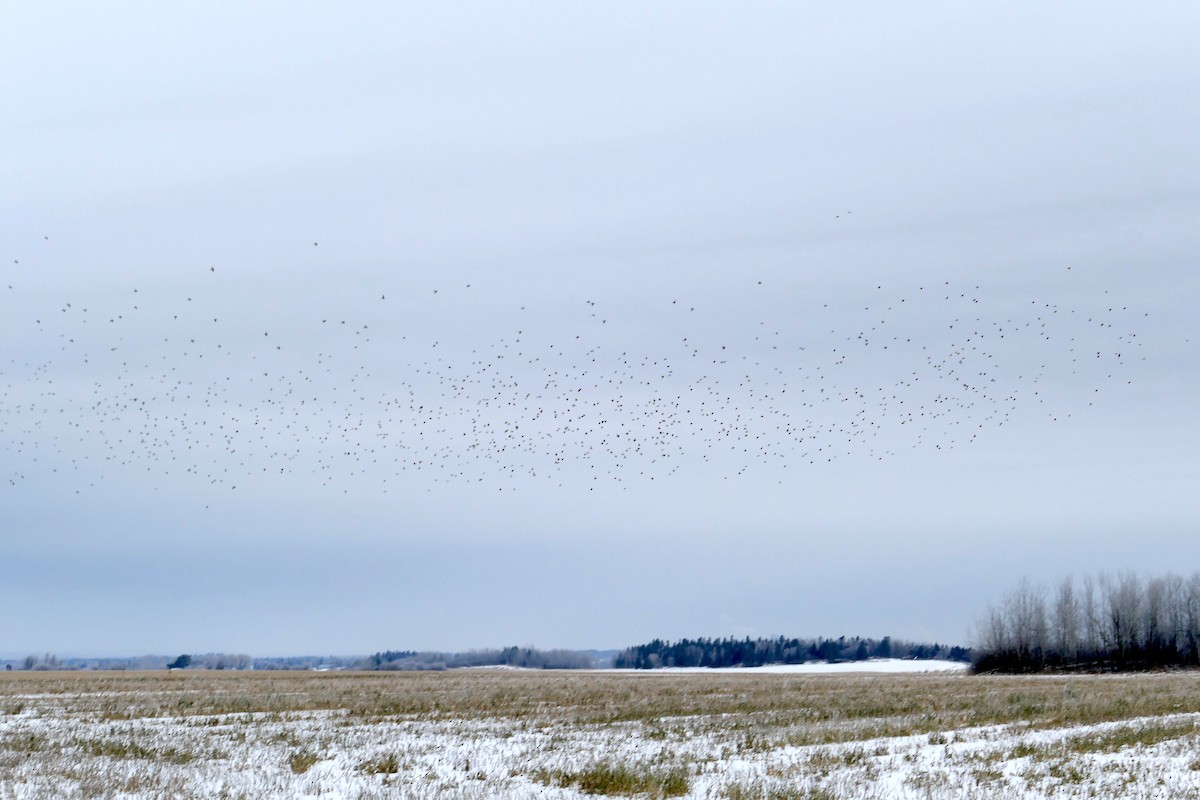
(639, 159)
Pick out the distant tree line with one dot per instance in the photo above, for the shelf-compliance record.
(1104, 623)
(49, 661)
(749, 652)
(215, 661)
(308, 662)
(212, 661)
(525, 657)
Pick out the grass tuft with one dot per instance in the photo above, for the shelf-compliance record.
(383, 765)
(1131, 736)
(609, 778)
(759, 791)
(132, 749)
(301, 761)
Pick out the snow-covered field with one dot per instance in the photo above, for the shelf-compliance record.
(486, 735)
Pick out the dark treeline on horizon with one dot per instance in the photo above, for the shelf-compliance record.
(748, 652)
(1102, 624)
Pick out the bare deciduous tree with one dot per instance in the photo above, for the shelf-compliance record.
(1111, 622)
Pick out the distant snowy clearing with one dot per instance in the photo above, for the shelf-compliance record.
(877, 665)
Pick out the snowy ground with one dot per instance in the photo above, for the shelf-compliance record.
(874, 665)
(67, 744)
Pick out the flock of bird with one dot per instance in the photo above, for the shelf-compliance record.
(160, 382)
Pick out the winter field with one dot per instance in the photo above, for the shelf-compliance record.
(509, 733)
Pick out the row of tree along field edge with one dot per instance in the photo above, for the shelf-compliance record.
(1099, 624)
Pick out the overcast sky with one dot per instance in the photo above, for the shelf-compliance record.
(332, 330)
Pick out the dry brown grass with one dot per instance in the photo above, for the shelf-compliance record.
(484, 733)
(827, 707)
